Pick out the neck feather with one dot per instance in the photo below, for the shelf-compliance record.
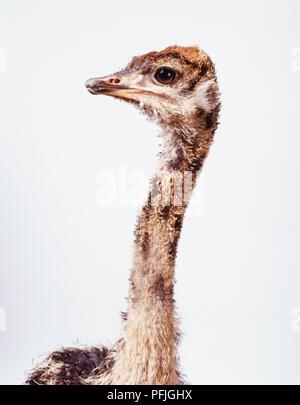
(151, 332)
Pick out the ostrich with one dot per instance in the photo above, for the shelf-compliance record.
(177, 88)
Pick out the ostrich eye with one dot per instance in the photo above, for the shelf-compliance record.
(165, 75)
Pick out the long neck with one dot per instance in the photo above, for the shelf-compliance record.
(148, 354)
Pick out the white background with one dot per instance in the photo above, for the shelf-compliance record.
(65, 261)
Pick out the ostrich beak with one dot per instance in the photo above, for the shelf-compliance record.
(112, 86)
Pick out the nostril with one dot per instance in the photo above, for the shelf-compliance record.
(114, 80)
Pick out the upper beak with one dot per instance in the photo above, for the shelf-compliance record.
(111, 86)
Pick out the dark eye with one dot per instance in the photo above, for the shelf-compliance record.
(165, 75)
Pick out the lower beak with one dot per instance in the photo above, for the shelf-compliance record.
(111, 86)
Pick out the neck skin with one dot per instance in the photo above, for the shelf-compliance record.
(147, 354)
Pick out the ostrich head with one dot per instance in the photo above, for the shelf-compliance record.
(171, 86)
